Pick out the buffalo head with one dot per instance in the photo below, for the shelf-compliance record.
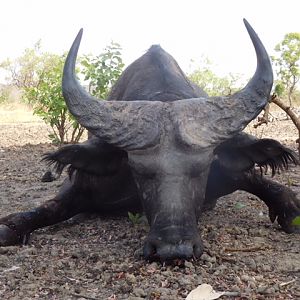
(169, 130)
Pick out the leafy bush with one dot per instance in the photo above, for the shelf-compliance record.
(211, 83)
(103, 70)
(296, 221)
(38, 76)
(135, 218)
(4, 95)
(48, 102)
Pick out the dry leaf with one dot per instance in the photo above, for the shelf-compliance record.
(204, 292)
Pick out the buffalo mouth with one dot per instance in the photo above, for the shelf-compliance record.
(170, 244)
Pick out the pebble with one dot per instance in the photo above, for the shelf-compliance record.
(266, 268)
(152, 267)
(54, 252)
(252, 284)
(189, 265)
(101, 266)
(250, 262)
(106, 276)
(4, 261)
(247, 278)
(140, 293)
(206, 257)
(130, 278)
(259, 277)
(235, 288)
(238, 280)
(265, 290)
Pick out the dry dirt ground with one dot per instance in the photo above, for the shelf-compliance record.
(89, 257)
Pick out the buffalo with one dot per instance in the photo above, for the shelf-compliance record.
(162, 146)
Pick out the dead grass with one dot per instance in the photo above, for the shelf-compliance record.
(17, 113)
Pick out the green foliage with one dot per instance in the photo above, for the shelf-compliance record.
(22, 72)
(135, 218)
(48, 101)
(287, 65)
(38, 75)
(211, 83)
(239, 205)
(279, 89)
(4, 95)
(103, 70)
(296, 221)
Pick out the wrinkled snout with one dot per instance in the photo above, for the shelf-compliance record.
(167, 245)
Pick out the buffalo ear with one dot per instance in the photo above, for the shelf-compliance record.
(94, 158)
(242, 154)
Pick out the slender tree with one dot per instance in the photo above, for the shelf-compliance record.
(287, 65)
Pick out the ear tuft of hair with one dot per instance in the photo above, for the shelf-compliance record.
(243, 153)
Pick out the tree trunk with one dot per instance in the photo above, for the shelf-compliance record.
(265, 118)
(290, 113)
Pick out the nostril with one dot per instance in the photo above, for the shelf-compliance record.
(149, 250)
(172, 247)
(197, 250)
(157, 250)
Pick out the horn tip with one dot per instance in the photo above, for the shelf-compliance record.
(79, 34)
(247, 24)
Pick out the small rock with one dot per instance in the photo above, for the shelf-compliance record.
(261, 289)
(235, 288)
(206, 257)
(100, 266)
(238, 280)
(140, 293)
(130, 278)
(189, 265)
(4, 261)
(247, 278)
(259, 277)
(251, 263)
(54, 252)
(266, 268)
(252, 284)
(265, 290)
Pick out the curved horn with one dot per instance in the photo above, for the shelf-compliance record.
(256, 93)
(129, 125)
(202, 121)
(210, 121)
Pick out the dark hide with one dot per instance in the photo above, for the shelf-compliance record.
(160, 79)
(224, 178)
(245, 152)
(166, 148)
(240, 165)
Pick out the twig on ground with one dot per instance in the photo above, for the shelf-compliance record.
(247, 249)
(287, 283)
